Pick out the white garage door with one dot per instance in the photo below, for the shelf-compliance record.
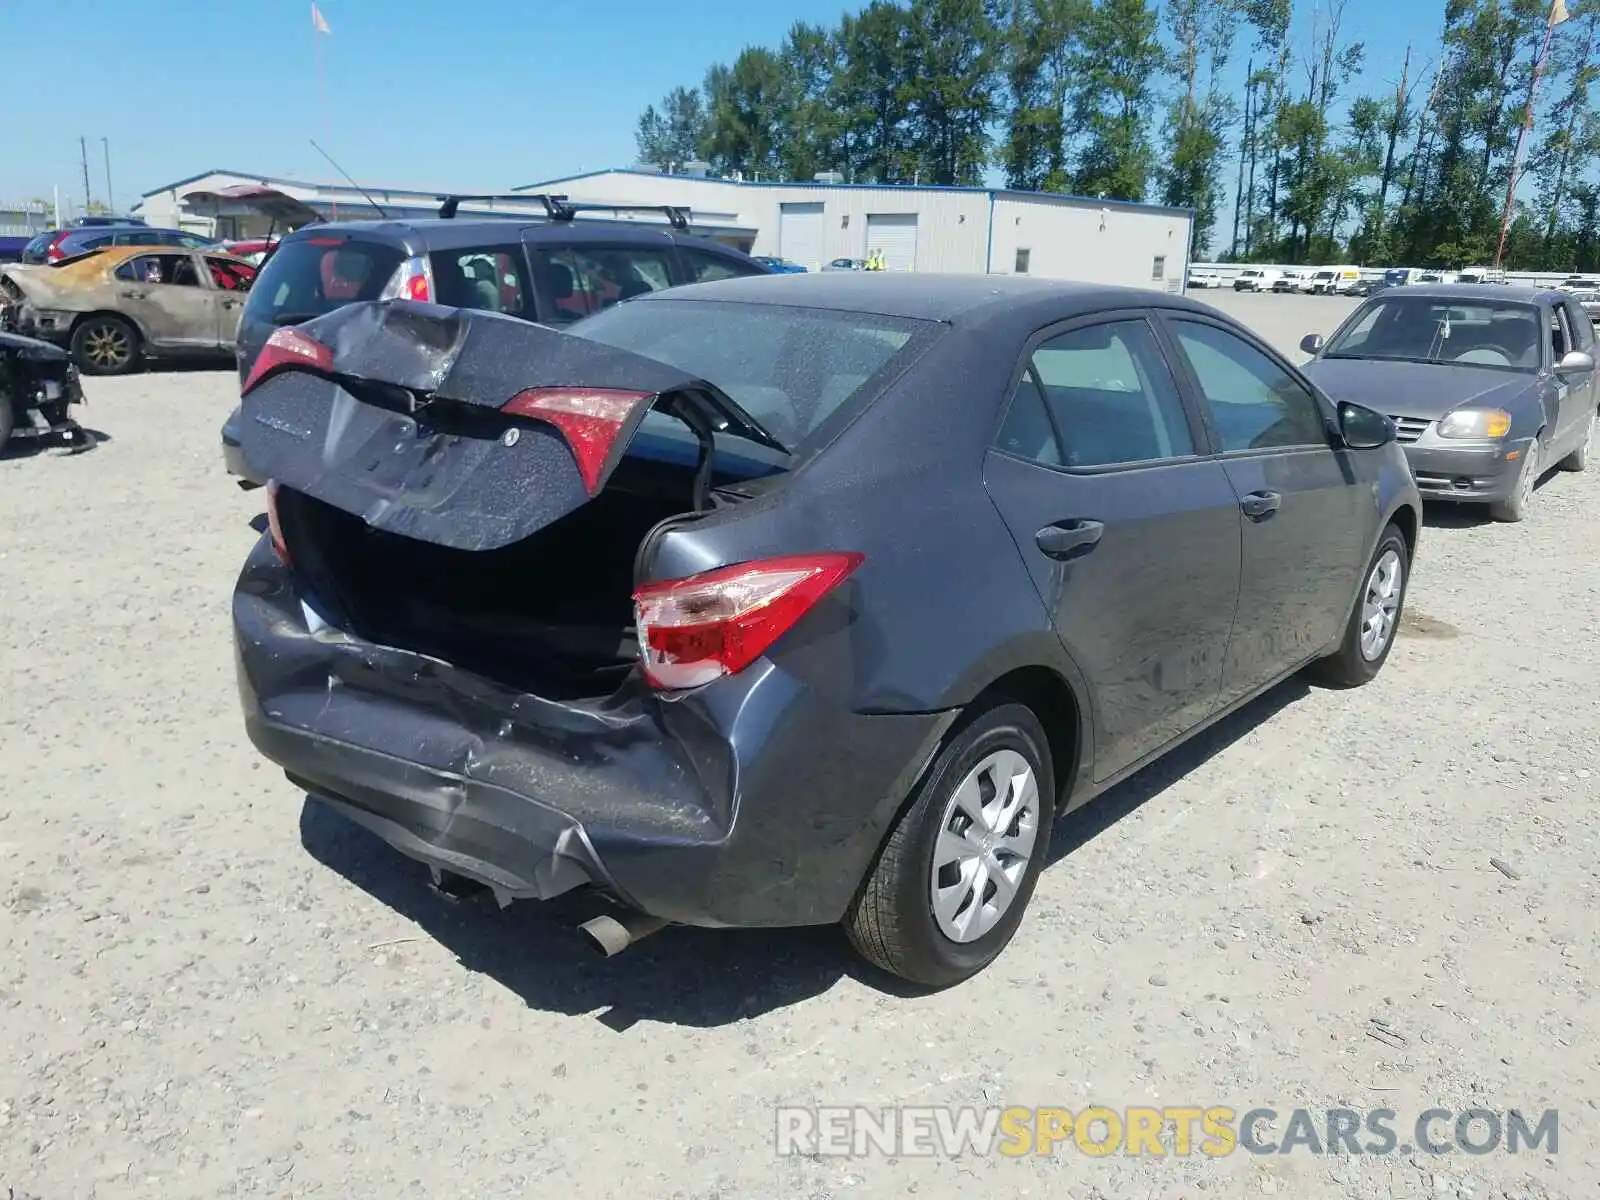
(800, 234)
(895, 235)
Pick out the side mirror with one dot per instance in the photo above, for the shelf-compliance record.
(1363, 428)
(1311, 343)
(1575, 362)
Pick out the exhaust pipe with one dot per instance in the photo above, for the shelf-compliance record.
(611, 934)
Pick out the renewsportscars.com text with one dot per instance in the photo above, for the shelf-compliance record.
(1173, 1130)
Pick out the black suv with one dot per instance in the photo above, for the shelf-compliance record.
(552, 271)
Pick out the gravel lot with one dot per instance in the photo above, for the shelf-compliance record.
(211, 987)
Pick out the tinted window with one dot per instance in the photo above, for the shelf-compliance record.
(1112, 395)
(1419, 329)
(790, 368)
(704, 267)
(492, 278)
(1253, 402)
(1027, 431)
(307, 278)
(175, 269)
(581, 281)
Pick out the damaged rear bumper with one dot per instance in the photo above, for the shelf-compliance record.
(755, 801)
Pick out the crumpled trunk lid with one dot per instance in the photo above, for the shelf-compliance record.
(407, 430)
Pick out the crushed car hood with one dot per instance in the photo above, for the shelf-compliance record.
(407, 431)
(1409, 389)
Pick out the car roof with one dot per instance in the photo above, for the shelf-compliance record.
(953, 299)
(439, 233)
(1506, 293)
(111, 257)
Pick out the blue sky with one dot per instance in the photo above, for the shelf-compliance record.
(471, 94)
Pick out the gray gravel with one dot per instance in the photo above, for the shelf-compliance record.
(209, 987)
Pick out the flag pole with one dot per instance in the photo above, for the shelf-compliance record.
(1557, 15)
(318, 27)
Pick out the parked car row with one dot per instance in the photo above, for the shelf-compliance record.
(56, 245)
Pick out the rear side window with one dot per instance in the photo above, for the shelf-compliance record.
(580, 281)
(705, 266)
(175, 269)
(793, 369)
(1112, 396)
(305, 279)
(491, 278)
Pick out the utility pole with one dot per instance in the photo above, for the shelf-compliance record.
(105, 144)
(83, 154)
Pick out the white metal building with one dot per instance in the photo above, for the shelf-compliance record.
(960, 229)
(954, 229)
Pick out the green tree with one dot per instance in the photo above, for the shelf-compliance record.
(748, 113)
(1120, 60)
(1197, 123)
(676, 132)
(953, 49)
(872, 92)
(1040, 50)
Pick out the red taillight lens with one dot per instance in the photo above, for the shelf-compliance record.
(274, 527)
(417, 288)
(288, 347)
(591, 419)
(54, 253)
(692, 631)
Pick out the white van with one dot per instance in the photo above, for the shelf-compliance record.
(1332, 281)
(1256, 279)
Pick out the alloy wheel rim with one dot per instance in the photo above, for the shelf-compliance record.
(1380, 603)
(106, 346)
(986, 841)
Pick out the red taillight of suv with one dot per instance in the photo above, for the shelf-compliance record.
(53, 252)
(695, 630)
(591, 419)
(288, 347)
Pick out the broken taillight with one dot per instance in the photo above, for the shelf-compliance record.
(274, 526)
(591, 420)
(288, 347)
(692, 631)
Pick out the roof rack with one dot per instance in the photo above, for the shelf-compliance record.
(559, 208)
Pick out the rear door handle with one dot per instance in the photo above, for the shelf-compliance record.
(1065, 539)
(1260, 504)
(132, 295)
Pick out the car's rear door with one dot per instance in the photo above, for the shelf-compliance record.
(1576, 390)
(1130, 534)
(1307, 512)
(164, 292)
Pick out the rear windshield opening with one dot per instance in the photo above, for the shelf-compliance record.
(799, 372)
(305, 279)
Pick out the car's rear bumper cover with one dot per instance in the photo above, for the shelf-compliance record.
(752, 802)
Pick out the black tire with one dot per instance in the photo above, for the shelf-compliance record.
(1578, 460)
(1515, 506)
(8, 420)
(891, 922)
(106, 344)
(1349, 665)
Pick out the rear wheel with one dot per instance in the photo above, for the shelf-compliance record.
(954, 877)
(1578, 460)
(1369, 633)
(105, 344)
(7, 420)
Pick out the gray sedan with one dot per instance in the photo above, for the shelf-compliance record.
(1487, 392)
